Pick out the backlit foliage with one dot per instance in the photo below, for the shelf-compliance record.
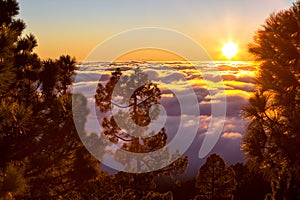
(273, 133)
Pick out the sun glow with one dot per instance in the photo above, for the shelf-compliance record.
(230, 50)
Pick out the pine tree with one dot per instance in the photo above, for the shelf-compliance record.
(36, 121)
(135, 97)
(273, 133)
(138, 95)
(215, 180)
(251, 184)
(12, 182)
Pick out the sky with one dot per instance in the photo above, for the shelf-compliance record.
(77, 27)
(83, 28)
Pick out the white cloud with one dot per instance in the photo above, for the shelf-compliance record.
(232, 135)
(238, 85)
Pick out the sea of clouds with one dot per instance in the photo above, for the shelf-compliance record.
(175, 78)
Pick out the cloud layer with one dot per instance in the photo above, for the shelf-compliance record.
(176, 80)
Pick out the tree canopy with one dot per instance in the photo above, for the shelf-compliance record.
(273, 133)
(215, 180)
(38, 140)
(42, 156)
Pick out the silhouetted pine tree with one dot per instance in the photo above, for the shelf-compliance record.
(273, 133)
(215, 180)
(12, 182)
(136, 94)
(250, 184)
(36, 122)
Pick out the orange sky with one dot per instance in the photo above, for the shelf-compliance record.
(76, 28)
(150, 55)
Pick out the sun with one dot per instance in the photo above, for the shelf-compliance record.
(230, 50)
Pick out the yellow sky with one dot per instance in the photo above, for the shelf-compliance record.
(82, 50)
(77, 28)
(150, 55)
(161, 55)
